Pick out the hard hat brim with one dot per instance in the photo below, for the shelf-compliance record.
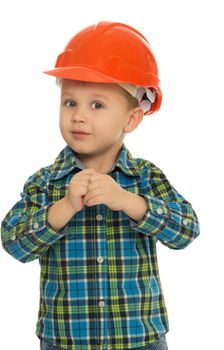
(82, 74)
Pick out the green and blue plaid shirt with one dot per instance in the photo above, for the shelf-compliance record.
(100, 286)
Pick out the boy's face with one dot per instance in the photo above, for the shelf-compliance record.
(99, 109)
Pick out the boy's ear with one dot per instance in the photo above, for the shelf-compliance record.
(134, 119)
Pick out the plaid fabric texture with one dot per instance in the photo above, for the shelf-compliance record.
(100, 286)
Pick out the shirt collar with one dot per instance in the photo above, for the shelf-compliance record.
(67, 160)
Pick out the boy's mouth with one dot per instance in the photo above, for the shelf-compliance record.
(79, 135)
(79, 132)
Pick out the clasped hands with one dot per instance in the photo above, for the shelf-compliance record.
(103, 189)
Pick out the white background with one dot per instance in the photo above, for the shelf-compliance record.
(184, 139)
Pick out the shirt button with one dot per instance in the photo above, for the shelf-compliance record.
(99, 217)
(100, 259)
(185, 222)
(13, 238)
(101, 303)
(159, 211)
(36, 225)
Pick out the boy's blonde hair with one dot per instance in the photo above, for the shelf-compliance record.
(132, 101)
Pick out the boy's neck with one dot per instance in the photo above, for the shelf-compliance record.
(102, 163)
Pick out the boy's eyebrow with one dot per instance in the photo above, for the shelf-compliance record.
(93, 95)
(100, 95)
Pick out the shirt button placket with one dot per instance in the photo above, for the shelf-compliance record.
(99, 217)
(101, 303)
(100, 259)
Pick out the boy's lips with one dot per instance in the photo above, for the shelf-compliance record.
(80, 132)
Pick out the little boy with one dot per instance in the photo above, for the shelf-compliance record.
(94, 216)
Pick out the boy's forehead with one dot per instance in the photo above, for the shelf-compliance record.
(90, 86)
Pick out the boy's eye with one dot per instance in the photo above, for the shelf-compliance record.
(98, 105)
(69, 103)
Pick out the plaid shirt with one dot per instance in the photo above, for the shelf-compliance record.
(100, 286)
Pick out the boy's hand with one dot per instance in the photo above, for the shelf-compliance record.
(103, 189)
(78, 187)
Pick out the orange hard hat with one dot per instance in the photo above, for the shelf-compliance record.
(110, 52)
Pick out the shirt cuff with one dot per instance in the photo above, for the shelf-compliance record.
(155, 217)
(36, 226)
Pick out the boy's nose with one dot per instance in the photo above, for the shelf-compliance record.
(79, 115)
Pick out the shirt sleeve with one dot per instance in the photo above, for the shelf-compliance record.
(25, 231)
(169, 216)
